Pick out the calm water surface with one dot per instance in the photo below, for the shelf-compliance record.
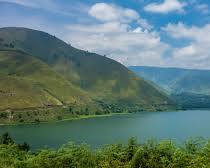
(118, 128)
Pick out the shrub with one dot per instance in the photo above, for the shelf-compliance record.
(151, 154)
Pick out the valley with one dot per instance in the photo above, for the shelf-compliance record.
(189, 88)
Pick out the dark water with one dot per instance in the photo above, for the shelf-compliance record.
(118, 128)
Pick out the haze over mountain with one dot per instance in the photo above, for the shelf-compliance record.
(176, 80)
(39, 70)
(187, 84)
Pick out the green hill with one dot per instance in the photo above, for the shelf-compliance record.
(44, 71)
(26, 82)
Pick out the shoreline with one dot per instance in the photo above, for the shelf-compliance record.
(82, 117)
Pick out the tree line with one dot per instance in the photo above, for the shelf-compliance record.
(151, 154)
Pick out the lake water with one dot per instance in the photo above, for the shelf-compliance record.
(178, 126)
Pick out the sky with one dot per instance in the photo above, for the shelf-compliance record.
(163, 33)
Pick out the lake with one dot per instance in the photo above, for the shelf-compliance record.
(178, 125)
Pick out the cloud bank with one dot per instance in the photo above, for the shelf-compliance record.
(196, 53)
(115, 37)
(166, 7)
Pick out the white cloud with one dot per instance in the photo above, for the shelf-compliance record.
(51, 6)
(29, 3)
(120, 42)
(197, 34)
(165, 7)
(115, 37)
(196, 54)
(109, 12)
(108, 27)
(144, 23)
(185, 52)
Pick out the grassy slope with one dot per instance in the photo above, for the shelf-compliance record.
(26, 82)
(55, 74)
(103, 78)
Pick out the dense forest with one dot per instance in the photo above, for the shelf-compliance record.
(192, 101)
(151, 154)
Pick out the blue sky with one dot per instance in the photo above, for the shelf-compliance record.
(166, 33)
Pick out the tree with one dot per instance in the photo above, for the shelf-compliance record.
(6, 139)
(70, 109)
(86, 111)
(132, 147)
(24, 147)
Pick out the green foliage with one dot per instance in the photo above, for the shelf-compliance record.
(151, 154)
(6, 139)
(192, 100)
(132, 148)
(24, 147)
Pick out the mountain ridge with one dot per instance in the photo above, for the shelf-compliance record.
(188, 87)
(97, 82)
(176, 80)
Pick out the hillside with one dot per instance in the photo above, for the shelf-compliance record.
(27, 82)
(61, 75)
(191, 85)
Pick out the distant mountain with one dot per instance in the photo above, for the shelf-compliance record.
(175, 80)
(189, 88)
(39, 70)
